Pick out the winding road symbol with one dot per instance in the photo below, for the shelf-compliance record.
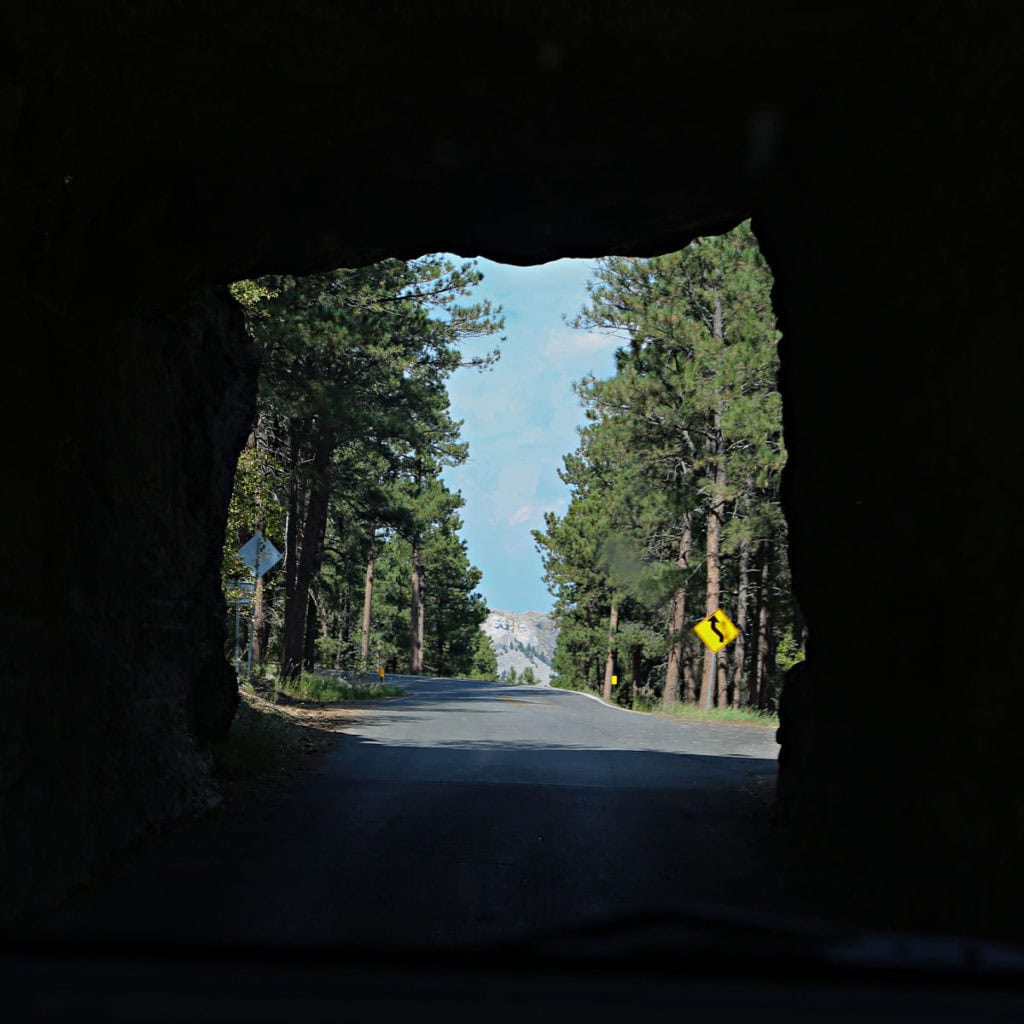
(716, 630)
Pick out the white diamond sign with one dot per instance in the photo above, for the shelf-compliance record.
(259, 554)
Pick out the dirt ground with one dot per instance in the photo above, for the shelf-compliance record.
(304, 730)
(326, 717)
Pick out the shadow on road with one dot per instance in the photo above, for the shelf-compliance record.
(452, 845)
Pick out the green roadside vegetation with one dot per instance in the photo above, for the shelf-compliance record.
(323, 689)
(733, 715)
(651, 704)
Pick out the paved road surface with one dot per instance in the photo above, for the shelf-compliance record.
(462, 814)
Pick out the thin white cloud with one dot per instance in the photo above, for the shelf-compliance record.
(525, 513)
(521, 515)
(565, 345)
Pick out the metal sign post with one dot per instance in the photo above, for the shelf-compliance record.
(242, 597)
(252, 614)
(711, 681)
(238, 602)
(716, 630)
(260, 555)
(238, 616)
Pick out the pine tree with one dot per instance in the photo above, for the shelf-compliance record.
(485, 658)
(352, 400)
(684, 445)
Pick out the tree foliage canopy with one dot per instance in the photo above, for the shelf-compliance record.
(675, 481)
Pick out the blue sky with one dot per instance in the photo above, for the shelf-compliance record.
(519, 420)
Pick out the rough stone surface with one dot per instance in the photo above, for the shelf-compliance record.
(114, 673)
(523, 640)
(150, 150)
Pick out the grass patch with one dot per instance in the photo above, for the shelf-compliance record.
(742, 716)
(325, 689)
(263, 740)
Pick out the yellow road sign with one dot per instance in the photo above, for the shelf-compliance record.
(716, 630)
(615, 680)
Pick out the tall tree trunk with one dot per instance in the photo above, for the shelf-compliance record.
(722, 683)
(755, 628)
(261, 639)
(364, 642)
(714, 543)
(715, 516)
(690, 674)
(291, 573)
(799, 628)
(309, 641)
(256, 622)
(291, 525)
(259, 614)
(340, 645)
(416, 611)
(344, 631)
(635, 669)
(292, 537)
(765, 653)
(609, 665)
(678, 621)
(739, 645)
(313, 531)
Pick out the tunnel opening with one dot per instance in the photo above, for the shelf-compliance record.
(292, 354)
(686, 397)
(695, 353)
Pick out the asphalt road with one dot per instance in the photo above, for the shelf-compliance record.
(465, 814)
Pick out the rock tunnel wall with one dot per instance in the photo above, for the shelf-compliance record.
(888, 237)
(114, 676)
(151, 154)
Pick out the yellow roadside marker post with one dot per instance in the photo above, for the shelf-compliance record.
(716, 630)
(615, 680)
(380, 672)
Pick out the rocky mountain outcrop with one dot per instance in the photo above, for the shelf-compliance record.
(523, 640)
